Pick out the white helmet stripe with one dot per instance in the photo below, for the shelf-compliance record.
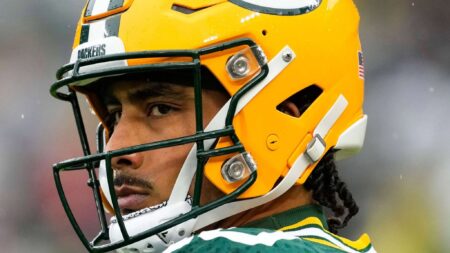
(100, 6)
(100, 29)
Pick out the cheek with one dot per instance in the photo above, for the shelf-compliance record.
(184, 125)
(212, 102)
(163, 166)
(171, 157)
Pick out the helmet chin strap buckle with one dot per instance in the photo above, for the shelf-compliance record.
(316, 148)
(238, 167)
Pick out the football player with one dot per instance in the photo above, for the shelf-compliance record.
(220, 122)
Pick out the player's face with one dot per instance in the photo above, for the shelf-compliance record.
(143, 112)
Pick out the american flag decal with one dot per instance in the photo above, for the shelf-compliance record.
(360, 65)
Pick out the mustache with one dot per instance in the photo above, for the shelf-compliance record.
(122, 179)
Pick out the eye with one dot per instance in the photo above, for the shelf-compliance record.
(158, 110)
(112, 119)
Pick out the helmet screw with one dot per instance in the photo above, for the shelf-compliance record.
(238, 167)
(240, 66)
(287, 56)
(181, 232)
(236, 170)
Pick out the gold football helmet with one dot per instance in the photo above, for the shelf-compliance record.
(262, 53)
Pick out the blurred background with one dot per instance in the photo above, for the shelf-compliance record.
(401, 180)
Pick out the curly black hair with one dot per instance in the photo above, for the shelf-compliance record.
(331, 192)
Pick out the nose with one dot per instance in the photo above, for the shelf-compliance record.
(126, 134)
(127, 162)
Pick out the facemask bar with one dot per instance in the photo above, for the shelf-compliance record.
(92, 181)
(90, 161)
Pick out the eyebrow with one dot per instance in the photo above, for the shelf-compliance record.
(156, 90)
(153, 90)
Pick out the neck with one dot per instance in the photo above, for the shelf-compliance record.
(295, 197)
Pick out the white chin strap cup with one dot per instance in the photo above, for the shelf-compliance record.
(158, 242)
(142, 222)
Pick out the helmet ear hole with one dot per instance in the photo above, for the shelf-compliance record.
(298, 103)
(289, 108)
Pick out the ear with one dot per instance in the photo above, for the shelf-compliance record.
(289, 108)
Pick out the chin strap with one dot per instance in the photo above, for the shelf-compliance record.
(315, 150)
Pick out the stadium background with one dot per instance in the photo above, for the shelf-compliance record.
(401, 180)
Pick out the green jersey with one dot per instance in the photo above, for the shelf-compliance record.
(301, 229)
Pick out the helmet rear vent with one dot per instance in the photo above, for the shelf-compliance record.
(302, 100)
(183, 9)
